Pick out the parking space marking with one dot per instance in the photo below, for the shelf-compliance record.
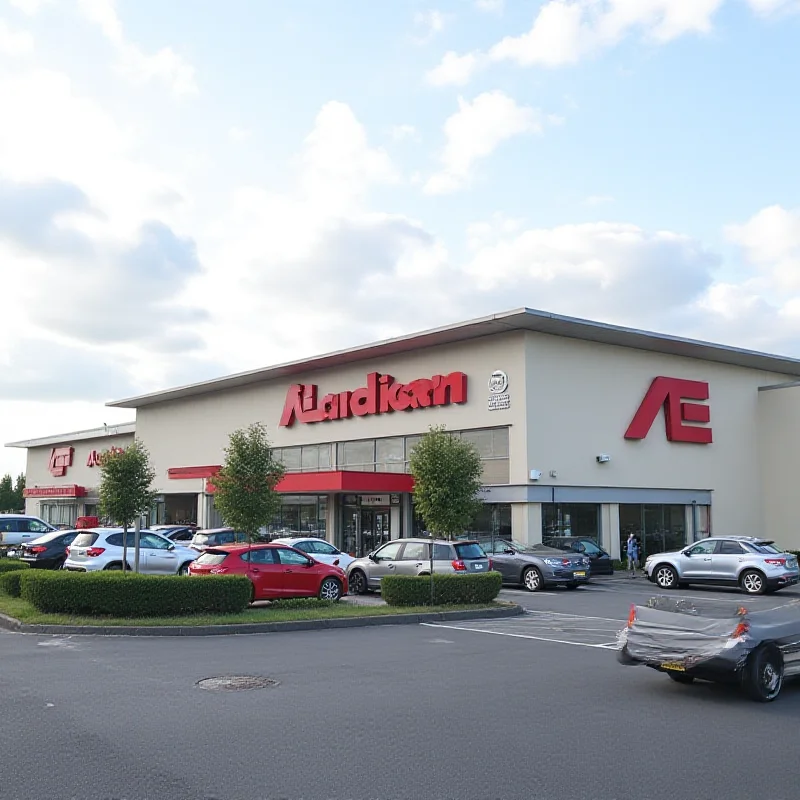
(550, 626)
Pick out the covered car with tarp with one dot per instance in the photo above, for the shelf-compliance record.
(720, 641)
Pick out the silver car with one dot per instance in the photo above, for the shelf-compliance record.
(412, 557)
(752, 564)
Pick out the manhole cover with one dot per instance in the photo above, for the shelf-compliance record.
(237, 683)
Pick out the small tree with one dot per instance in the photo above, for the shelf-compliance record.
(125, 493)
(19, 492)
(245, 493)
(447, 479)
(7, 494)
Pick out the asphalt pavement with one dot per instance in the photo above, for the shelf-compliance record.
(534, 707)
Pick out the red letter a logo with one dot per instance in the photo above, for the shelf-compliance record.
(667, 393)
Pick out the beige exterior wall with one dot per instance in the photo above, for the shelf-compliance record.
(581, 397)
(779, 461)
(80, 474)
(194, 432)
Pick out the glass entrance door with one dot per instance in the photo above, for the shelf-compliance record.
(374, 529)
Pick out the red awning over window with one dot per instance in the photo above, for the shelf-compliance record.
(56, 491)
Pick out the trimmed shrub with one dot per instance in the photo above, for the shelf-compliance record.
(408, 590)
(117, 594)
(10, 582)
(12, 564)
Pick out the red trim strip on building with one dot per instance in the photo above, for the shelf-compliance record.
(188, 473)
(56, 491)
(341, 481)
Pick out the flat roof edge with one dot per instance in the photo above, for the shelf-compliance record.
(120, 429)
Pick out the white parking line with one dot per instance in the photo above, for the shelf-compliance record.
(603, 646)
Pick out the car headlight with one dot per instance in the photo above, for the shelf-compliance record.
(554, 562)
(587, 562)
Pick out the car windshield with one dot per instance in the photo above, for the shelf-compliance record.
(200, 538)
(211, 559)
(469, 551)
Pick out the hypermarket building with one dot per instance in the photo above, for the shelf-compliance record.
(583, 428)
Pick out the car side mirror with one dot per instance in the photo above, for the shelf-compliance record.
(171, 547)
(372, 557)
(508, 552)
(687, 553)
(309, 563)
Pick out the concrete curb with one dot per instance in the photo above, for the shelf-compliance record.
(14, 625)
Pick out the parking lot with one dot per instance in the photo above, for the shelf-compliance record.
(532, 707)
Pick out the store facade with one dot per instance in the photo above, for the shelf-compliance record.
(583, 429)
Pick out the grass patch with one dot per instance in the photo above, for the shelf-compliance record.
(291, 612)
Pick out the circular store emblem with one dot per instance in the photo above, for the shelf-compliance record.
(498, 383)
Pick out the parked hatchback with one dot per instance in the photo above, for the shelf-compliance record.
(536, 566)
(217, 537)
(319, 549)
(754, 565)
(276, 571)
(412, 557)
(602, 563)
(48, 551)
(102, 549)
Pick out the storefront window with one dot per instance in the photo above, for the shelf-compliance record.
(493, 520)
(570, 519)
(299, 515)
(59, 513)
(659, 528)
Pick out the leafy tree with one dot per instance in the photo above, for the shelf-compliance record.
(19, 489)
(7, 494)
(447, 480)
(245, 493)
(125, 493)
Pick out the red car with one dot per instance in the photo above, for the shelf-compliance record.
(276, 571)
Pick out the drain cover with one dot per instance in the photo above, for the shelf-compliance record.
(236, 683)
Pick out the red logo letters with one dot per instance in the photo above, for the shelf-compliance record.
(669, 394)
(60, 461)
(381, 395)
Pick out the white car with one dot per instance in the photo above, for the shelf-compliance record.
(19, 529)
(320, 550)
(101, 549)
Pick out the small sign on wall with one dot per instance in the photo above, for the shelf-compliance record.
(499, 398)
(375, 500)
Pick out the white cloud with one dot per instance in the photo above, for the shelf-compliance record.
(566, 31)
(770, 241)
(766, 7)
(140, 68)
(490, 6)
(239, 135)
(432, 22)
(454, 70)
(30, 7)
(474, 132)
(401, 132)
(14, 43)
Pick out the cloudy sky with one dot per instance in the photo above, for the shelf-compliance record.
(195, 187)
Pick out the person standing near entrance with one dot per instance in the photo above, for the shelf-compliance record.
(632, 550)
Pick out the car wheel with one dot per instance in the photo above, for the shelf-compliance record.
(59, 564)
(752, 582)
(358, 582)
(330, 590)
(666, 576)
(763, 674)
(532, 579)
(117, 567)
(681, 677)
(184, 570)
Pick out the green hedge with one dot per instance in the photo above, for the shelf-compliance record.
(117, 594)
(11, 564)
(408, 590)
(10, 582)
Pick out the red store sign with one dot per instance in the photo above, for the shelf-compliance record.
(381, 395)
(55, 491)
(60, 461)
(669, 394)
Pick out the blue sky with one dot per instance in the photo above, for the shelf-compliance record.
(195, 187)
